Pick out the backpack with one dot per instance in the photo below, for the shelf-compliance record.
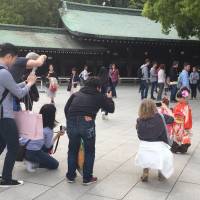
(139, 73)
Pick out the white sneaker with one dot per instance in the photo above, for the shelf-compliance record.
(30, 166)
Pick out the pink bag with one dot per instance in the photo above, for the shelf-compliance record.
(30, 125)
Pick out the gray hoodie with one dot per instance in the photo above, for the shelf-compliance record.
(18, 90)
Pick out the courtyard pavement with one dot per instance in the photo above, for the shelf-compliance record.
(116, 146)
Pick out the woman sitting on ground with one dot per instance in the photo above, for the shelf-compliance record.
(154, 151)
(37, 151)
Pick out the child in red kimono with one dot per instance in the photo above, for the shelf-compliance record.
(183, 123)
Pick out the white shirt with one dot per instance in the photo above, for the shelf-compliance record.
(161, 76)
(84, 74)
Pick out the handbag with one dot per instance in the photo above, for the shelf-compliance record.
(29, 124)
(21, 152)
(53, 86)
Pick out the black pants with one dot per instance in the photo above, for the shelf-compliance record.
(9, 138)
(194, 90)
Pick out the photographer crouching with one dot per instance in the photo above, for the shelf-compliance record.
(38, 151)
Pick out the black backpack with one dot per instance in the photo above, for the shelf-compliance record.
(139, 73)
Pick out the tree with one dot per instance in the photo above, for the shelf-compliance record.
(183, 15)
(29, 12)
(45, 12)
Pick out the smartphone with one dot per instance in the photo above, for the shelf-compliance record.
(158, 104)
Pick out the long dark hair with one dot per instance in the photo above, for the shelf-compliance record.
(103, 75)
(48, 112)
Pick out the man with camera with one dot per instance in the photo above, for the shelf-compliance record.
(8, 129)
(21, 68)
(80, 111)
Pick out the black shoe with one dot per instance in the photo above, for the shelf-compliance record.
(92, 180)
(11, 183)
(70, 180)
(153, 98)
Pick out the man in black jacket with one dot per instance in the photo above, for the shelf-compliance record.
(80, 112)
(173, 81)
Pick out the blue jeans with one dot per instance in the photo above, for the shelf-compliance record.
(153, 88)
(78, 128)
(144, 89)
(42, 158)
(113, 88)
(173, 92)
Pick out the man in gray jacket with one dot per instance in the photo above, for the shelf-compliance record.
(8, 129)
(145, 79)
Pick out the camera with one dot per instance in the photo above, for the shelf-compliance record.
(158, 104)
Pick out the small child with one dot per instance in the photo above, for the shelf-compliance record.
(183, 122)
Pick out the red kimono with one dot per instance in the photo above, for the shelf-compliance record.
(183, 123)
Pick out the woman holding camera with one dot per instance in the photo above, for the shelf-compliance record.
(37, 151)
(154, 150)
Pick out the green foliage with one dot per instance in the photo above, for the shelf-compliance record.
(29, 12)
(45, 12)
(183, 15)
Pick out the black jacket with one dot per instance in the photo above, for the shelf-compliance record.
(173, 74)
(87, 102)
(153, 129)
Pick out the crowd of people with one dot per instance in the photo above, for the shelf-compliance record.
(161, 81)
(17, 77)
(161, 130)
